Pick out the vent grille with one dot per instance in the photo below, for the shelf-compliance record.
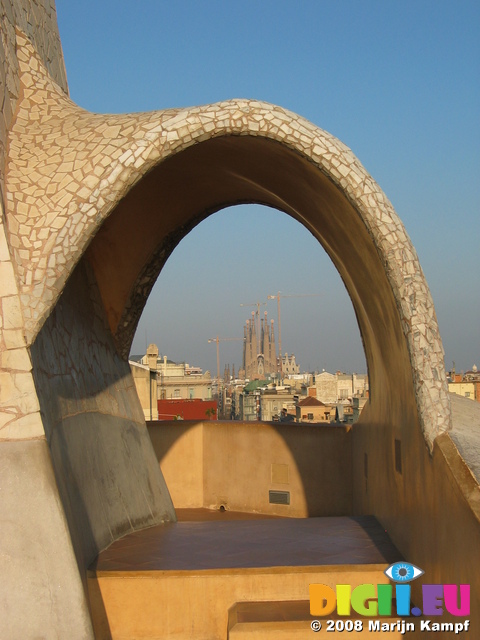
(279, 497)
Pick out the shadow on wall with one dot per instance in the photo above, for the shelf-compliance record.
(239, 465)
(106, 471)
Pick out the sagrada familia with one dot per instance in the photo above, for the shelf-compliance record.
(259, 352)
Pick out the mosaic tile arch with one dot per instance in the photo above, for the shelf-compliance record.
(68, 169)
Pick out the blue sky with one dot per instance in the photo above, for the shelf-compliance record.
(396, 81)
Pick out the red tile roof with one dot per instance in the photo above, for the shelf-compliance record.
(310, 401)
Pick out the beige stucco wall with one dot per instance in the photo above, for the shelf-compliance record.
(431, 510)
(196, 605)
(463, 388)
(236, 464)
(179, 447)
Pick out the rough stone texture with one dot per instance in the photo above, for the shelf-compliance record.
(38, 20)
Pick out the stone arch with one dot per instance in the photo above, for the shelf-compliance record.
(132, 245)
(83, 166)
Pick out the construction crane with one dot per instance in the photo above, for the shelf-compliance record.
(258, 305)
(218, 340)
(277, 298)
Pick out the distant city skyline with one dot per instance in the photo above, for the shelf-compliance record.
(168, 320)
(396, 82)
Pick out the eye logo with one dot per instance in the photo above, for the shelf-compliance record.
(377, 600)
(403, 572)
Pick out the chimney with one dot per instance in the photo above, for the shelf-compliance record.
(152, 355)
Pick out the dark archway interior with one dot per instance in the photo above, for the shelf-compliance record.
(135, 241)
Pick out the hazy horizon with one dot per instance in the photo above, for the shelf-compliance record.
(168, 318)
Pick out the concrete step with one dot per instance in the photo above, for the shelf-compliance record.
(195, 604)
(178, 581)
(291, 620)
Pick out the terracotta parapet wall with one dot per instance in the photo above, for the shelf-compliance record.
(235, 464)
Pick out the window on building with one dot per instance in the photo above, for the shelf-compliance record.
(310, 416)
(191, 393)
(467, 394)
(176, 393)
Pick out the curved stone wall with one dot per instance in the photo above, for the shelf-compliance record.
(38, 20)
(19, 417)
(108, 477)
